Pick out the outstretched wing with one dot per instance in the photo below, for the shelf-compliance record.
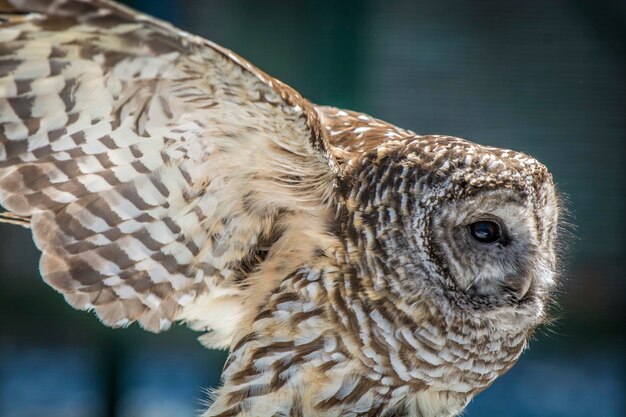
(153, 163)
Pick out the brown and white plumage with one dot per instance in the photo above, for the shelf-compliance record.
(166, 178)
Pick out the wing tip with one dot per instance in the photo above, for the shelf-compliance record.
(109, 308)
(16, 219)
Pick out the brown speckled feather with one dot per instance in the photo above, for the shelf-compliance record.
(357, 133)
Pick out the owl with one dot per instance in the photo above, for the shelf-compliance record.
(351, 268)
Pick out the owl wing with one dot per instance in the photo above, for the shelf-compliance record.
(353, 134)
(152, 163)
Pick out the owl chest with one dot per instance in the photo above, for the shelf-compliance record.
(310, 352)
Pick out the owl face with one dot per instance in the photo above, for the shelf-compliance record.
(491, 250)
(477, 222)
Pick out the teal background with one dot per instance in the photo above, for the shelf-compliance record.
(544, 77)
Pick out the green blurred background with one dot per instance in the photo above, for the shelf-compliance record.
(544, 77)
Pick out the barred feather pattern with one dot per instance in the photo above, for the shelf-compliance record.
(141, 156)
(165, 178)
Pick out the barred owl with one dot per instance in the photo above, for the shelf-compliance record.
(352, 268)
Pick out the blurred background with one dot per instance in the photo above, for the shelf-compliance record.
(544, 77)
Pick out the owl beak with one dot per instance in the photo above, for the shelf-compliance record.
(517, 286)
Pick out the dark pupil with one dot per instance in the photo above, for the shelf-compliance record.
(485, 231)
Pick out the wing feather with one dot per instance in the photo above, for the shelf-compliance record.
(152, 162)
(353, 133)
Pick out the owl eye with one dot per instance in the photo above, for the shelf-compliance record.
(485, 231)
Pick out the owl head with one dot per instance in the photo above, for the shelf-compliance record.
(470, 228)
